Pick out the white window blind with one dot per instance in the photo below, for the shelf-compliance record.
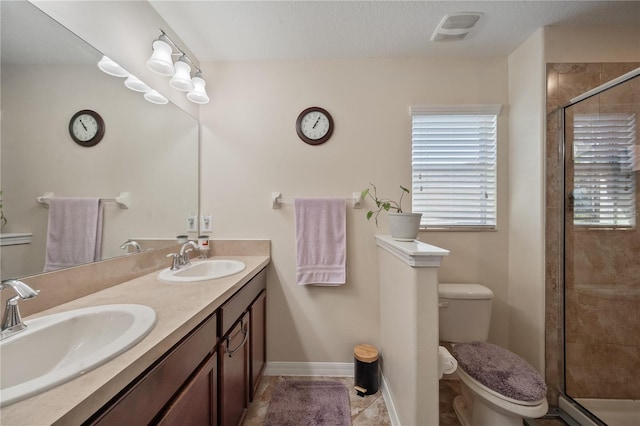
(454, 165)
(604, 183)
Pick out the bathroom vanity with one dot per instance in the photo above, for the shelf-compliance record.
(200, 364)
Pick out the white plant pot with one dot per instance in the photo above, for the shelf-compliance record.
(404, 226)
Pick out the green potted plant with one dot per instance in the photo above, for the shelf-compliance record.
(403, 226)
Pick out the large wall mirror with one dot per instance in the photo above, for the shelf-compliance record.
(148, 150)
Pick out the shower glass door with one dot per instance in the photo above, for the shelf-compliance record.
(602, 254)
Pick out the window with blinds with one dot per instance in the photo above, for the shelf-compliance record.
(603, 171)
(454, 165)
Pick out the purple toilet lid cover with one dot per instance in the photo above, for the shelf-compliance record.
(500, 370)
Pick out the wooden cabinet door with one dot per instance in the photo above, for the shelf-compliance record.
(257, 341)
(150, 393)
(197, 404)
(234, 354)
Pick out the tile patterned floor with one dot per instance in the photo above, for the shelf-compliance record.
(449, 388)
(548, 422)
(369, 410)
(365, 411)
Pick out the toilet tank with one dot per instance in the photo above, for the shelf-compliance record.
(465, 312)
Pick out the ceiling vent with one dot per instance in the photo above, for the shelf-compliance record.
(456, 26)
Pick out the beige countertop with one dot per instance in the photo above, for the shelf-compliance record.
(179, 307)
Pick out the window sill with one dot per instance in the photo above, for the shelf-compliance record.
(458, 229)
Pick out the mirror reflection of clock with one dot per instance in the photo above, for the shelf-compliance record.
(86, 128)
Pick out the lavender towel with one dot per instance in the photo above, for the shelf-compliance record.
(500, 370)
(74, 234)
(321, 241)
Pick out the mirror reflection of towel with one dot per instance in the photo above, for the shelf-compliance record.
(321, 241)
(74, 234)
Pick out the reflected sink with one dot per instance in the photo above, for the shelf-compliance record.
(203, 270)
(59, 347)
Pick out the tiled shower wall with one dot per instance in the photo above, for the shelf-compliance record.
(599, 326)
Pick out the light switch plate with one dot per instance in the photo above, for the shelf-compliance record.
(206, 224)
(192, 223)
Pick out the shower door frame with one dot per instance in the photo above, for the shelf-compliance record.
(572, 412)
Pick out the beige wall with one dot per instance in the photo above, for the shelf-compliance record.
(526, 200)
(592, 44)
(250, 148)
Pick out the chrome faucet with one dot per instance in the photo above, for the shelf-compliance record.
(187, 248)
(181, 260)
(175, 261)
(131, 243)
(11, 320)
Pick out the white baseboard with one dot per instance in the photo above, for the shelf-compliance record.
(391, 408)
(344, 369)
(336, 369)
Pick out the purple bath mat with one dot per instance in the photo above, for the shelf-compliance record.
(309, 403)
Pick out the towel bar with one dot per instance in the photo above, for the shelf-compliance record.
(123, 200)
(277, 200)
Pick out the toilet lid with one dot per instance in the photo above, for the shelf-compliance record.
(500, 370)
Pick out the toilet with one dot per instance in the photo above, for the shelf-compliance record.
(499, 388)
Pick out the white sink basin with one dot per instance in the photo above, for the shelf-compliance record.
(59, 347)
(203, 270)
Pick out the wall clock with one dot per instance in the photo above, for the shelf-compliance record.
(86, 128)
(314, 125)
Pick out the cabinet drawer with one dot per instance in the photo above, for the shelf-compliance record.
(146, 398)
(233, 309)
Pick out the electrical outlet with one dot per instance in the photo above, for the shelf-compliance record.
(192, 223)
(206, 224)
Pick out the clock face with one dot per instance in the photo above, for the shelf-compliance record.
(314, 125)
(86, 128)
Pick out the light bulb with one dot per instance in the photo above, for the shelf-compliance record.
(155, 98)
(134, 83)
(198, 95)
(181, 80)
(160, 60)
(111, 67)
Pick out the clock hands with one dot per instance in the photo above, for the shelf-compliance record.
(85, 127)
(316, 123)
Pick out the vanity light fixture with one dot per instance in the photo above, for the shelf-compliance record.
(161, 63)
(134, 83)
(109, 66)
(155, 98)
(456, 26)
(181, 80)
(198, 95)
